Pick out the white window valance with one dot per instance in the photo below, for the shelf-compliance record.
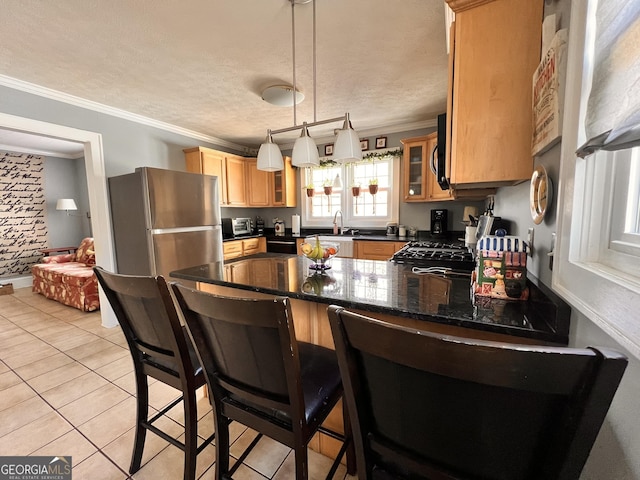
(613, 111)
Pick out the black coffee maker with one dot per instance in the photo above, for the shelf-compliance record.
(439, 222)
(259, 225)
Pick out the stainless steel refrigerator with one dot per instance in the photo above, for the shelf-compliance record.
(164, 220)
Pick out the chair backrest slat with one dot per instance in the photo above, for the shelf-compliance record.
(470, 409)
(149, 319)
(247, 347)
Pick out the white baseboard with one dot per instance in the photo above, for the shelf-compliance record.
(18, 282)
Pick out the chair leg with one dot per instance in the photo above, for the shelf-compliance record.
(190, 435)
(142, 395)
(222, 445)
(302, 463)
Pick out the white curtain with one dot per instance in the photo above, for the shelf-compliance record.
(613, 111)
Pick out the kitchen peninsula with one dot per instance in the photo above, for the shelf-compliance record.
(384, 290)
(391, 292)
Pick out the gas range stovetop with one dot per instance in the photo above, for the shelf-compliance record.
(436, 254)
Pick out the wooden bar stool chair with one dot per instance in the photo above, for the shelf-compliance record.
(161, 349)
(424, 405)
(259, 375)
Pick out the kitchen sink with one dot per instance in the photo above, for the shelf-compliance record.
(344, 242)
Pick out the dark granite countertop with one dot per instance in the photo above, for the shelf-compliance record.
(393, 289)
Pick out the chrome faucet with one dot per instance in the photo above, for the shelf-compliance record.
(335, 221)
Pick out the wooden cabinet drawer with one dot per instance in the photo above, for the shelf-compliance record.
(240, 248)
(232, 249)
(250, 246)
(376, 250)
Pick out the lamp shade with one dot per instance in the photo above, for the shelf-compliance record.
(305, 151)
(270, 156)
(66, 204)
(337, 182)
(347, 146)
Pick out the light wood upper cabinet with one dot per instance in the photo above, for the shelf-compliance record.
(229, 168)
(283, 186)
(258, 184)
(209, 162)
(419, 181)
(496, 49)
(236, 181)
(241, 183)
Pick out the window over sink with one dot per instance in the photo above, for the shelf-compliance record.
(366, 193)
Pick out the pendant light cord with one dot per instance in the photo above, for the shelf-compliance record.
(314, 61)
(293, 47)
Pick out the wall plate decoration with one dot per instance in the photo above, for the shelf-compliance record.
(540, 194)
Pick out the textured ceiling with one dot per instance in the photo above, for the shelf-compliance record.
(201, 65)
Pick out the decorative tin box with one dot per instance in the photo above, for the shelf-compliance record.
(501, 268)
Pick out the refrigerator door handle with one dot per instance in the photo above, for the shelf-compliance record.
(160, 231)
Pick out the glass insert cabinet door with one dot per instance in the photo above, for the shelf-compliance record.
(278, 188)
(415, 165)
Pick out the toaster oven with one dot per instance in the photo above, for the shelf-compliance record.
(236, 227)
(241, 227)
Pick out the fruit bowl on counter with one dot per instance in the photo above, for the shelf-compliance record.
(319, 253)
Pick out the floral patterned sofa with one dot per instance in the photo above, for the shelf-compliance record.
(69, 278)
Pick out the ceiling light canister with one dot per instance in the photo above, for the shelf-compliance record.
(281, 95)
(270, 156)
(347, 146)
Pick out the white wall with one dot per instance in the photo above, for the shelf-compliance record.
(66, 178)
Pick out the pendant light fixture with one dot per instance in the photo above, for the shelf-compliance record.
(269, 156)
(347, 146)
(305, 150)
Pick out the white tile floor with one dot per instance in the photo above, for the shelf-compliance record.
(67, 388)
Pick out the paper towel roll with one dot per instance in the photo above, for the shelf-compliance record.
(295, 224)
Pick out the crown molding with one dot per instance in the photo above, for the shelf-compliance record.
(51, 94)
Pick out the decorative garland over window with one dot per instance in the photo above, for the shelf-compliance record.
(369, 157)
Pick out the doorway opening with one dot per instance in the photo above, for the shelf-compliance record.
(96, 183)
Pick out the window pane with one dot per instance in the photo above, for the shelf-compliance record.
(620, 247)
(373, 182)
(632, 219)
(373, 200)
(327, 199)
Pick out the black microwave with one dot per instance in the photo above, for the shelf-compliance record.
(439, 154)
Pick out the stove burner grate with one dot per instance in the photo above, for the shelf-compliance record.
(427, 254)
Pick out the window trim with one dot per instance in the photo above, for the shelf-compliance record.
(348, 220)
(599, 292)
